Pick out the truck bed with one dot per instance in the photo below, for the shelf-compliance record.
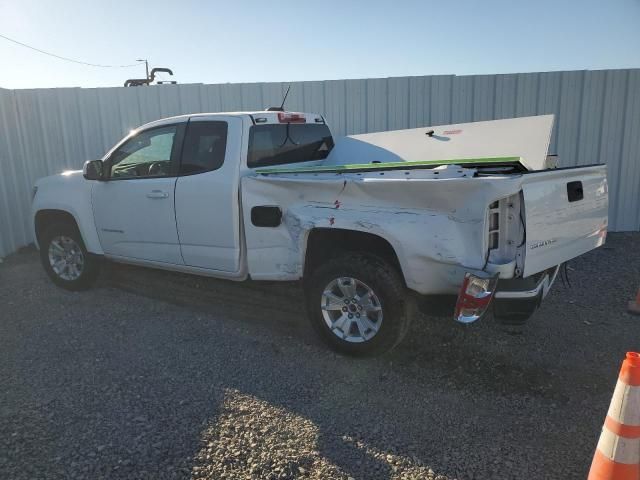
(440, 219)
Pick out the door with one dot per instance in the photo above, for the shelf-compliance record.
(207, 205)
(565, 214)
(134, 208)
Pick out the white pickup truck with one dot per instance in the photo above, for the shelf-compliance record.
(369, 222)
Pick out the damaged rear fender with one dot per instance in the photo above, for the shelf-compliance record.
(435, 227)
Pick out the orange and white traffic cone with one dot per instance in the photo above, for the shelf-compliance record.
(634, 306)
(617, 455)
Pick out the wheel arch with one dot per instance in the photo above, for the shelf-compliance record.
(45, 218)
(325, 243)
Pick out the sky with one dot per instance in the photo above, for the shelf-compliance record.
(272, 40)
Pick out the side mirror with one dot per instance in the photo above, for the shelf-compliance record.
(92, 170)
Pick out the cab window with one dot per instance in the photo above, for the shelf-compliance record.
(281, 143)
(204, 147)
(148, 154)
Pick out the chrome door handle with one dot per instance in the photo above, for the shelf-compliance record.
(157, 194)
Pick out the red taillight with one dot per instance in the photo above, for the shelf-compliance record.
(475, 297)
(286, 117)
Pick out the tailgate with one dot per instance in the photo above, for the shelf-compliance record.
(565, 215)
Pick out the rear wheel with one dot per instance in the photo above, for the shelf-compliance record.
(65, 258)
(358, 304)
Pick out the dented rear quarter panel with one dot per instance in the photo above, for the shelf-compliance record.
(436, 226)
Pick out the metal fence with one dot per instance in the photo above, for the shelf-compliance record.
(45, 131)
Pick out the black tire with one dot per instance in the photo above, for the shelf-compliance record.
(90, 268)
(387, 284)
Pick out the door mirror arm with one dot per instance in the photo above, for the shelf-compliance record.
(93, 170)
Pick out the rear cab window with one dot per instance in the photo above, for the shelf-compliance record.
(204, 147)
(284, 143)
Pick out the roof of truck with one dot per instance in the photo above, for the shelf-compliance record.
(258, 116)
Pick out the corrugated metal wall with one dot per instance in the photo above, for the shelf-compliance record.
(597, 120)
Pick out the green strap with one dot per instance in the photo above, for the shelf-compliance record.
(363, 167)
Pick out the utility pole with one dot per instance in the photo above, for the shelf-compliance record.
(146, 66)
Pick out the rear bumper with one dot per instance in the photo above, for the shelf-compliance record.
(521, 288)
(516, 300)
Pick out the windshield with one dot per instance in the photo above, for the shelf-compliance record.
(277, 144)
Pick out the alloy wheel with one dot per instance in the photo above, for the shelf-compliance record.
(351, 310)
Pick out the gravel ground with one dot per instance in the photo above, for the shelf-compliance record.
(160, 375)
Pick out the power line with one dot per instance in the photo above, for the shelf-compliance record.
(65, 58)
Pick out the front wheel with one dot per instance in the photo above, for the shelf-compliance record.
(358, 304)
(65, 258)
